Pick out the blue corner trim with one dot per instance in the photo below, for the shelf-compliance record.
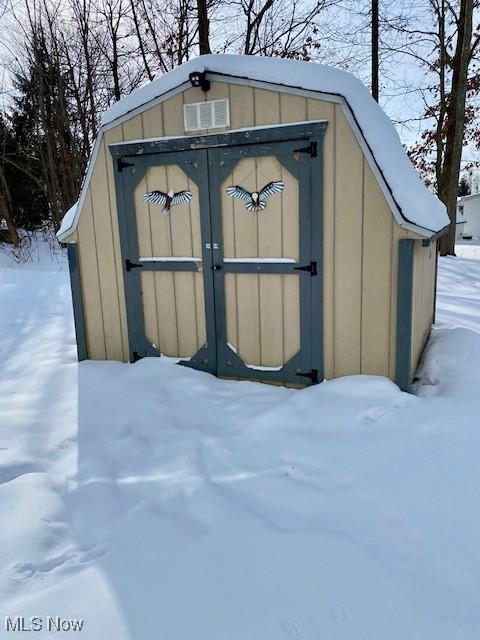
(404, 313)
(77, 300)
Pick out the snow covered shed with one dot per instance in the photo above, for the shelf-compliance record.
(257, 218)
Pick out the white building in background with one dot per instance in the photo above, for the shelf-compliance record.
(460, 224)
(469, 207)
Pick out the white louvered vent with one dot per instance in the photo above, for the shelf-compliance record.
(206, 115)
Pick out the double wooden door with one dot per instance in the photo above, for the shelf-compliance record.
(221, 247)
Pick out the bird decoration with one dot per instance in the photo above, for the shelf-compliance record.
(257, 200)
(168, 200)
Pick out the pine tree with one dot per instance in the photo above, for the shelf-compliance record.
(463, 187)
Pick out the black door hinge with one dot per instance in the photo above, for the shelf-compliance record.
(311, 149)
(136, 356)
(122, 164)
(312, 375)
(129, 265)
(312, 268)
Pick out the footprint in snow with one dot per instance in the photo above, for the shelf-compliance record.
(372, 415)
(23, 571)
(375, 414)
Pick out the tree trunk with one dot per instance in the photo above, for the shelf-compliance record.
(6, 210)
(375, 49)
(448, 189)
(203, 27)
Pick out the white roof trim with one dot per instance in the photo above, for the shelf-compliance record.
(72, 222)
(472, 196)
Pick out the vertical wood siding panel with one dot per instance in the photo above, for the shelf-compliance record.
(291, 316)
(160, 286)
(173, 116)
(290, 221)
(241, 107)
(269, 231)
(166, 313)
(317, 110)
(92, 299)
(229, 251)
(270, 221)
(267, 107)
(271, 320)
(242, 114)
(200, 309)
(196, 243)
(246, 246)
(153, 122)
(424, 288)
(290, 249)
(348, 248)
(106, 257)
(231, 309)
(184, 283)
(270, 246)
(292, 108)
(376, 278)
(133, 128)
(248, 318)
(111, 136)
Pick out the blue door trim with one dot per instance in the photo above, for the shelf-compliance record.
(404, 314)
(77, 301)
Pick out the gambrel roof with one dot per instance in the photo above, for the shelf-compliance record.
(412, 204)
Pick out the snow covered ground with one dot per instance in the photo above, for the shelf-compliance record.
(159, 503)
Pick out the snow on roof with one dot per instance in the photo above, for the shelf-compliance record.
(472, 196)
(68, 220)
(416, 203)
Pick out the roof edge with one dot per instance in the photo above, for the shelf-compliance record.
(400, 218)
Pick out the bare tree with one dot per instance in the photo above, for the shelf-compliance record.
(446, 49)
(375, 47)
(203, 27)
(454, 118)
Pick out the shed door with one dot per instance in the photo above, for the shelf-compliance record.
(160, 222)
(222, 259)
(265, 263)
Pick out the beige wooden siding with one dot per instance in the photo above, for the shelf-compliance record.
(173, 303)
(360, 239)
(424, 267)
(263, 317)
